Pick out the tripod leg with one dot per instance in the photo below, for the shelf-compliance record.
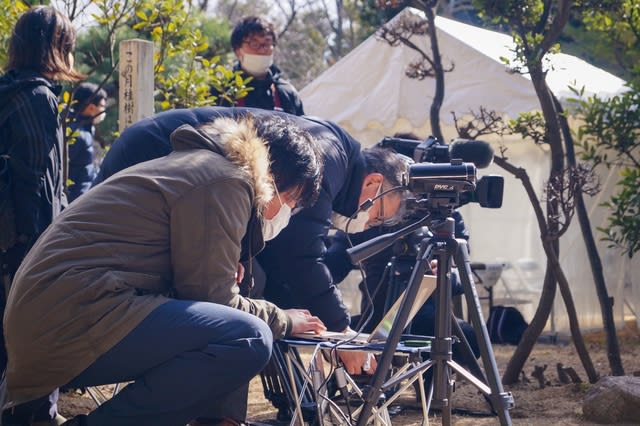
(468, 359)
(500, 400)
(441, 349)
(466, 355)
(391, 344)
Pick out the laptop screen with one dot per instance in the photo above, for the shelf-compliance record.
(383, 329)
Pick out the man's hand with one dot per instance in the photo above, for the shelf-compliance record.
(303, 321)
(357, 362)
(434, 267)
(239, 273)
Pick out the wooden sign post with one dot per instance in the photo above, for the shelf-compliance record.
(136, 81)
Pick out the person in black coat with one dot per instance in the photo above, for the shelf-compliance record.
(253, 41)
(31, 154)
(296, 274)
(293, 262)
(87, 109)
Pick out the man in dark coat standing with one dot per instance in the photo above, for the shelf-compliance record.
(88, 109)
(253, 41)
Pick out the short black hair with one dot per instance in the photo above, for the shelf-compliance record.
(87, 93)
(296, 160)
(251, 25)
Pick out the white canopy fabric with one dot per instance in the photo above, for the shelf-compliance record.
(368, 94)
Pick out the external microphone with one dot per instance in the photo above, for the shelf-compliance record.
(471, 151)
(432, 150)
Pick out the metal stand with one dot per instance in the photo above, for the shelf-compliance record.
(442, 247)
(314, 379)
(394, 291)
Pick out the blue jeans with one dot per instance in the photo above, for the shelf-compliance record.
(182, 357)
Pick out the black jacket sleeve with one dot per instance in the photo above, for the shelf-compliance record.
(289, 97)
(34, 130)
(336, 258)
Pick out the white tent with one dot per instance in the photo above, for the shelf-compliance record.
(368, 94)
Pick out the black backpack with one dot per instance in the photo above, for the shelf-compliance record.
(506, 325)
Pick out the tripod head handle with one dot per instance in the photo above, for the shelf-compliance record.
(368, 248)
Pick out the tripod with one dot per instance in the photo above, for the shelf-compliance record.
(442, 247)
(400, 260)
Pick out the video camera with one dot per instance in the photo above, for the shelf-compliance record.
(442, 178)
(445, 175)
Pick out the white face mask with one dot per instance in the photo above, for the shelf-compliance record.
(256, 65)
(272, 227)
(99, 118)
(357, 224)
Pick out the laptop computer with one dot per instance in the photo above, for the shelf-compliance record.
(382, 330)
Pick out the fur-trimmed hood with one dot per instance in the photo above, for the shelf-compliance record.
(238, 141)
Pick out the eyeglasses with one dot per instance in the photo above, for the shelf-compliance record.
(256, 45)
(382, 219)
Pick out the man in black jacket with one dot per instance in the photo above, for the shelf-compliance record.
(293, 261)
(296, 274)
(253, 41)
(87, 109)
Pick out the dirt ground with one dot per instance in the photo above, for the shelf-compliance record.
(554, 405)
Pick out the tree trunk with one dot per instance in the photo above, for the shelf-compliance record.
(438, 97)
(530, 336)
(606, 303)
(550, 240)
(543, 310)
(516, 363)
(565, 291)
